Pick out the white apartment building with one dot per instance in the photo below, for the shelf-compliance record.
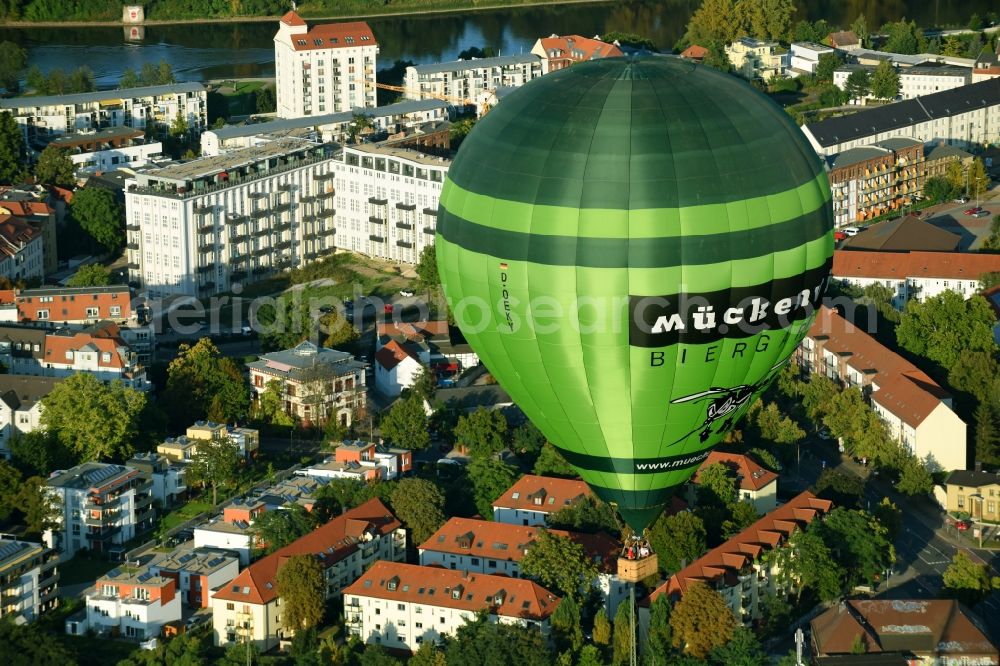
(199, 227)
(915, 275)
(21, 250)
(249, 608)
(399, 606)
(327, 68)
(330, 128)
(754, 59)
(913, 81)
(151, 107)
(916, 411)
(20, 406)
(197, 572)
(129, 603)
(387, 200)
(532, 498)
(100, 506)
(472, 82)
(29, 579)
(488, 547)
(806, 55)
(229, 534)
(316, 383)
(109, 149)
(362, 461)
(167, 476)
(966, 116)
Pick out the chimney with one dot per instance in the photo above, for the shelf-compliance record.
(979, 466)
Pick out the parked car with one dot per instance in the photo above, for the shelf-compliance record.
(851, 231)
(387, 308)
(406, 294)
(972, 211)
(963, 525)
(961, 200)
(839, 235)
(982, 213)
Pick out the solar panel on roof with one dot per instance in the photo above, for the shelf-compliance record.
(216, 561)
(144, 577)
(114, 573)
(9, 549)
(184, 559)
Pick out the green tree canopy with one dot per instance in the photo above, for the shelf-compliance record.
(483, 643)
(269, 407)
(551, 463)
(266, 99)
(744, 649)
(484, 432)
(90, 275)
(101, 216)
(903, 37)
(277, 528)
(938, 189)
(419, 504)
(489, 478)
(861, 543)
(825, 66)
(95, 421)
(885, 82)
(566, 628)
(215, 462)
(716, 485)
(701, 621)
(969, 582)
(806, 562)
(624, 636)
(427, 271)
(858, 84)
(677, 539)
(11, 149)
(713, 22)
(302, 587)
(55, 167)
(39, 453)
(199, 376)
(914, 478)
(36, 504)
(13, 58)
(10, 485)
(560, 563)
(944, 327)
(588, 515)
(843, 489)
(405, 424)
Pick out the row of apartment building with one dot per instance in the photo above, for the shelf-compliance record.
(29, 579)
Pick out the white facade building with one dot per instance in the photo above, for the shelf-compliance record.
(472, 82)
(532, 498)
(327, 68)
(21, 250)
(20, 406)
(29, 579)
(167, 476)
(131, 604)
(151, 107)
(396, 368)
(806, 55)
(235, 537)
(399, 606)
(387, 201)
(913, 81)
(199, 227)
(754, 59)
(197, 572)
(100, 506)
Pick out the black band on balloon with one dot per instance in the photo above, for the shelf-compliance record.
(634, 465)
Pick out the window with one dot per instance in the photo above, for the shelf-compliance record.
(116, 310)
(961, 501)
(93, 312)
(400, 606)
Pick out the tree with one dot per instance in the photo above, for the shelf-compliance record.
(215, 462)
(92, 419)
(944, 327)
(658, 645)
(765, 19)
(986, 434)
(968, 581)
(129, 79)
(624, 635)
(588, 515)
(903, 37)
(817, 394)
(955, 173)
(551, 463)
(713, 22)
(35, 78)
(978, 179)
(149, 75)
(860, 28)
(629, 39)
(39, 453)
(179, 126)
(806, 562)
(483, 431)
(277, 528)
(302, 588)
(885, 82)
(843, 489)
(527, 440)
(777, 427)
(12, 61)
(424, 385)
(742, 515)
(164, 73)
(183, 650)
(938, 189)
(81, 80)
(90, 275)
(888, 516)
(677, 540)
(861, 543)
(198, 375)
(11, 149)
(825, 66)
(560, 563)
(743, 649)
(482, 643)
(427, 269)
(716, 485)
(419, 504)
(266, 100)
(914, 478)
(858, 84)
(565, 623)
(39, 507)
(100, 215)
(766, 459)
(30, 644)
(489, 478)
(406, 424)
(701, 621)
(10, 485)
(270, 408)
(339, 331)
(429, 655)
(602, 628)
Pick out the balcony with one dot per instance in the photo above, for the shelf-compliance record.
(308, 218)
(404, 225)
(237, 258)
(132, 246)
(100, 521)
(287, 187)
(324, 176)
(258, 195)
(237, 219)
(283, 245)
(207, 268)
(104, 535)
(132, 266)
(328, 212)
(206, 249)
(376, 220)
(326, 195)
(430, 211)
(405, 244)
(429, 231)
(260, 213)
(207, 228)
(307, 199)
(284, 226)
(377, 202)
(238, 238)
(403, 206)
(203, 210)
(376, 239)
(132, 227)
(282, 208)
(261, 232)
(328, 232)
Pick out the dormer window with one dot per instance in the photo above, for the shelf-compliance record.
(456, 592)
(393, 583)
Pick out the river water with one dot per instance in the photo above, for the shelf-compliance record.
(233, 49)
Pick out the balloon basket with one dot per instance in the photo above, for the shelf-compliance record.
(634, 571)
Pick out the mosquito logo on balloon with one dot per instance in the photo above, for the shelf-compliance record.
(726, 402)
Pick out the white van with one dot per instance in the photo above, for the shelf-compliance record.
(851, 231)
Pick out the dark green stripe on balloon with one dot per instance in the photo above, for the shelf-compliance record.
(638, 508)
(633, 253)
(656, 465)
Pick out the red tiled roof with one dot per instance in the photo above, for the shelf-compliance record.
(727, 560)
(334, 541)
(14, 233)
(584, 47)
(413, 330)
(334, 36)
(7, 296)
(26, 208)
(751, 475)
(484, 535)
(694, 52)
(434, 586)
(900, 265)
(843, 37)
(903, 389)
(392, 354)
(555, 494)
(291, 18)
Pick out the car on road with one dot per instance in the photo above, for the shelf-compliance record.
(972, 211)
(851, 231)
(963, 525)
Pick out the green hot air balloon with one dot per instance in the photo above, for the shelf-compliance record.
(635, 247)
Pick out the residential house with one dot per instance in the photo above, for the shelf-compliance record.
(695, 52)
(987, 65)
(362, 461)
(923, 631)
(247, 440)
(29, 579)
(30, 204)
(471, 82)
(100, 350)
(965, 116)
(915, 275)
(488, 547)
(973, 492)
(396, 368)
(843, 39)
(197, 573)
(754, 59)
(167, 476)
(109, 149)
(903, 234)
(316, 383)
(917, 412)
(100, 507)
(806, 55)
(560, 52)
(178, 449)
(532, 498)
(324, 68)
(248, 608)
(399, 606)
(436, 344)
(755, 484)
(21, 406)
(913, 81)
(869, 181)
(737, 569)
(21, 249)
(938, 157)
(232, 530)
(130, 603)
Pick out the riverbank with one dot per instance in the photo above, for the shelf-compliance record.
(426, 9)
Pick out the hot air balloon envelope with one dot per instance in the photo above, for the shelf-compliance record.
(634, 247)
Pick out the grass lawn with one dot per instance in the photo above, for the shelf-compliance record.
(83, 569)
(184, 513)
